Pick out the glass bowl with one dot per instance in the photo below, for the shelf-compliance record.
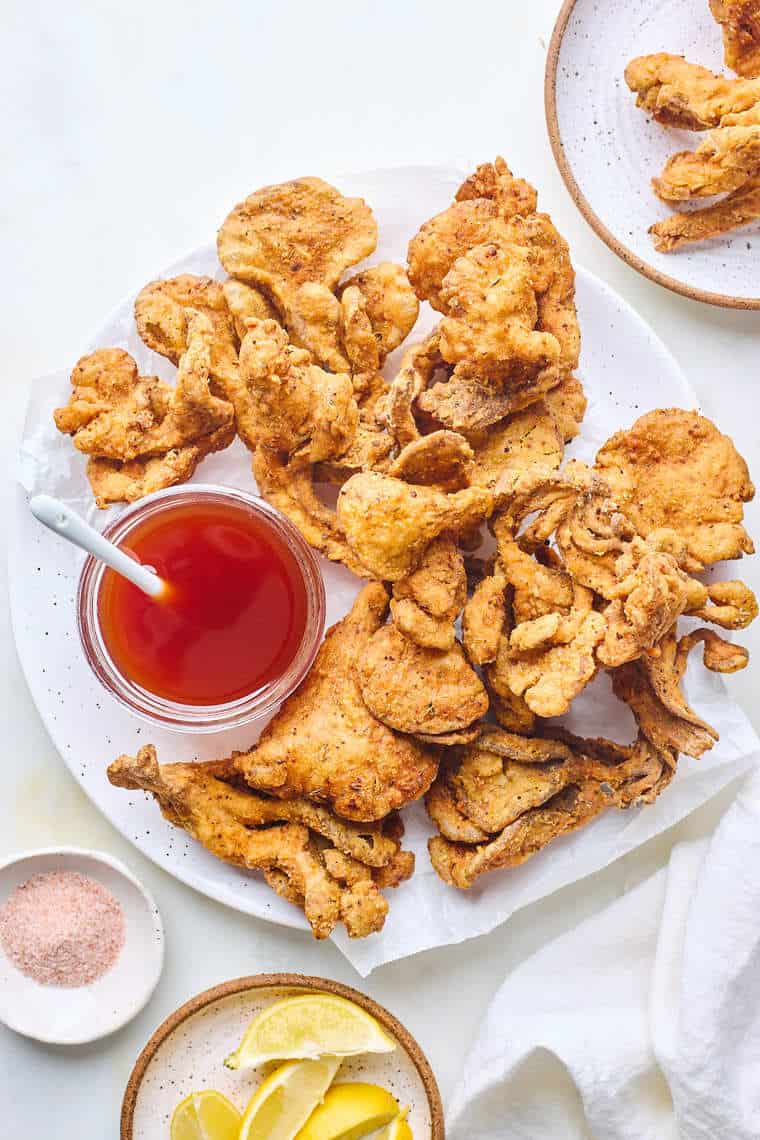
(200, 718)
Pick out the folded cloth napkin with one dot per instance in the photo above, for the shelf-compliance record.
(642, 1023)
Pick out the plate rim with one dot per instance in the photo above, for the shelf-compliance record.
(280, 981)
(720, 300)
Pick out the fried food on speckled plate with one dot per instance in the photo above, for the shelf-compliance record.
(674, 469)
(389, 524)
(332, 869)
(325, 744)
(681, 94)
(731, 213)
(141, 434)
(740, 20)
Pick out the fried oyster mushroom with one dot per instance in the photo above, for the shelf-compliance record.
(591, 775)
(295, 407)
(332, 869)
(427, 602)
(389, 523)
(414, 689)
(142, 435)
(325, 744)
(727, 159)
(674, 469)
(731, 213)
(681, 94)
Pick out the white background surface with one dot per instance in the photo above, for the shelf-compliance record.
(127, 132)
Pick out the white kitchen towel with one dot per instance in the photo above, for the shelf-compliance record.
(642, 1023)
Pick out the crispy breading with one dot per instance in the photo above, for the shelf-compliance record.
(290, 489)
(674, 469)
(389, 524)
(725, 161)
(418, 366)
(245, 303)
(442, 459)
(682, 94)
(414, 689)
(295, 406)
(450, 821)
(652, 592)
(567, 402)
(282, 236)
(163, 310)
(314, 320)
(427, 602)
(527, 438)
(729, 604)
(114, 413)
(390, 304)
(115, 482)
(553, 279)
(651, 687)
(738, 209)
(492, 312)
(495, 180)
(331, 868)
(449, 235)
(740, 20)
(468, 404)
(622, 776)
(325, 744)
(483, 619)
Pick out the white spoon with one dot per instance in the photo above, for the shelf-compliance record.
(69, 525)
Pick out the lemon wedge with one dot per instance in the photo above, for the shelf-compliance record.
(307, 1027)
(349, 1112)
(398, 1129)
(285, 1100)
(205, 1115)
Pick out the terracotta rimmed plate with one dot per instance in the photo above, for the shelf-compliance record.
(186, 1054)
(607, 149)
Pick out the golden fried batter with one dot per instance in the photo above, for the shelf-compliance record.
(442, 459)
(741, 34)
(568, 403)
(332, 869)
(389, 524)
(282, 236)
(427, 602)
(495, 180)
(682, 94)
(674, 469)
(621, 777)
(295, 407)
(448, 236)
(528, 438)
(650, 596)
(466, 404)
(163, 310)
(413, 689)
(492, 312)
(115, 482)
(738, 209)
(115, 414)
(325, 744)
(389, 302)
(483, 619)
(726, 160)
(246, 303)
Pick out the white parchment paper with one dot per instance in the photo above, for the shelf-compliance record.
(626, 371)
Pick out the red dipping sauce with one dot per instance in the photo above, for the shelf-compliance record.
(237, 625)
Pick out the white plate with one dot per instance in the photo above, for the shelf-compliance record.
(626, 371)
(72, 1016)
(608, 149)
(187, 1051)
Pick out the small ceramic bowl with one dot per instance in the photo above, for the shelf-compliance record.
(61, 1015)
(187, 1051)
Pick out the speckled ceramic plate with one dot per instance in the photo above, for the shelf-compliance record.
(608, 150)
(186, 1054)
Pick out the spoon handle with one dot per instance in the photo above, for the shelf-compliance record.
(69, 525)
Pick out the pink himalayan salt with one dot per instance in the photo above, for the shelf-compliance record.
(62, 929)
